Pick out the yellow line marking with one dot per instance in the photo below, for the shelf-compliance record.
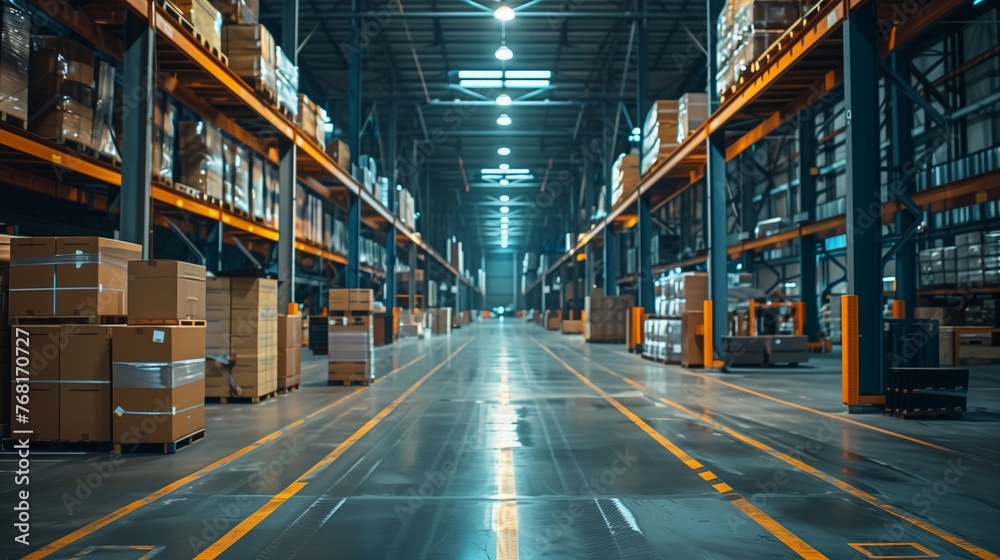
(707, 475)
(245, 526)
(863, 549)
(110, 518)
(839, 417)
(722, 487)
(790, 540)
(816, 473)
(507, 508)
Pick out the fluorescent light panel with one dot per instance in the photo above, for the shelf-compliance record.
(507, 172)
(500, 75)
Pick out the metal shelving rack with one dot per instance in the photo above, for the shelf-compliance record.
(130, 30)
(811, 59)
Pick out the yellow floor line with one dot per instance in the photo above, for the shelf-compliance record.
(507, 508)
(789, 539)
(110, 518)
(247, 525)
(810, 470)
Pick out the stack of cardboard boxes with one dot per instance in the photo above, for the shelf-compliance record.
(241, 342)
(659, 133)
(606, 317)
(164, 134)
(351, 337)
(158, 385)
(61, 102)
(251, 51)
(624, 177)
(289, 352)
(692, 110)
(200, 164)
(206, 20)
(287, 82)
(312, 118)
(440, 320)
(63, 292)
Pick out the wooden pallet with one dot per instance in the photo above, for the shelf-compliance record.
(264, 91)
(170, 322)
(928, 414)
(253, 400)
(16, 122)
(165, 181)
(287, 111)
(289, 389)
(71, 320)
(215, 51)
(232, 209)
(349, 381)
(165, 448)
(351, 313)
(190, 191)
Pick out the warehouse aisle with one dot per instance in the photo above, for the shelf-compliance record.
(504, 441)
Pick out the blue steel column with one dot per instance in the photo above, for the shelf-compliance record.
(354, 143)
(390, 236)
(864, 228)
(610, 239)
(715, 209)
(901, 144)
(137, 132)
(807, 245)
(644, 268)
(287, 173)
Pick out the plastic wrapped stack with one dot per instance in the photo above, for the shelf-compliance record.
(206, 20)
(312, 118)
(746, 29)
(351, 337)
(624, 176)
(252, 55)
(199, 163)
(287, 76)
(61, 100)
(692, 110)
(164, 135)
(659, 133)
(237, 11)
(15, 47)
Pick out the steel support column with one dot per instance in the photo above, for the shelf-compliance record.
(644, 266)
(411, 288)
(389, 288)
(901, 145)
(354, 144)
(864, 228)
(807, 245)
(137, 132)
(715, 209)
(287, 174)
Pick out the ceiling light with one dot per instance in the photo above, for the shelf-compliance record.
(637, 131)
(504, 220)
(480, 74)
(503, 244)
(528, 75)
(504, 52)
(503, 99)
(504, 209)
(504, 182)
(504, 172)
(505, 151)
(504, 237)
(504, 13)
(504, 166)
(481, 83)
(503, 228)
(504, 198)
(527, 83)
(520, 177)
(503, 120)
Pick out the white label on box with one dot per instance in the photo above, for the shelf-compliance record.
(159, 336)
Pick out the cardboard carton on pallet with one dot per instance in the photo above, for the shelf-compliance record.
(289, 351)
(166, 292)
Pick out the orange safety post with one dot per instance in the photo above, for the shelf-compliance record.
(638, 314)
(395, 322)
(899, 309)
(800, 317)
(850, 391)
(752, 322)
(293, 309)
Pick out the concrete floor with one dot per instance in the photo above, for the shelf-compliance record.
(505, 441)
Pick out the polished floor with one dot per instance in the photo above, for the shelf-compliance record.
(505, 441)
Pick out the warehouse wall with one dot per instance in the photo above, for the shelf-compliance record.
(500, 272)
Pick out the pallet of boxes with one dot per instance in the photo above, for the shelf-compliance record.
(606, 317)
(96, 379)
(158, 381)
(241, 344)
(439, 320)
(351, 337)
(289, 352)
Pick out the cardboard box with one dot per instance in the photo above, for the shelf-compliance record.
(574, 326)
(158, 344)
(692, 344)
(92, 275)
(165, 291)
(32, 276)
(289, 331)
(86, 354)
(339, 300)
(289, 366)
(45, 346)
(340, 152)
(43, 418)
(254, 292)
(143, 419)
(85, 412)
(347, 372)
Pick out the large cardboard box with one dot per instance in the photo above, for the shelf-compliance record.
(165, 291)
(85, 412)
(85, 382)
(92, 275)
(158, 388)
(289, 367)
(692, 344)
(289, 331)
(86, 353)
(32, 276)
(254, 292)
(351, 299)
(340, 152)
